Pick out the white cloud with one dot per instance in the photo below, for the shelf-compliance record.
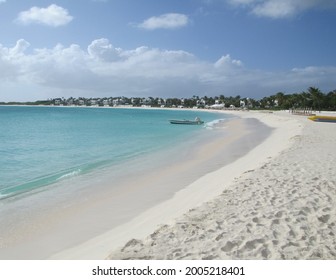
(10, 58)
(2, 1)
(104, 70)
(53, 16)
(241, 2)
(102, 49)
(19, 48)
(226, 60)
(276, 9)
(281, 8)
(166, 21)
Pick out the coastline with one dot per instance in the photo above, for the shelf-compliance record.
(282, 209)
(77, 210)
(274, 202)
(286, 129)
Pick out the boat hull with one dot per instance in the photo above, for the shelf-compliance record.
(323, 119)
(186, 122)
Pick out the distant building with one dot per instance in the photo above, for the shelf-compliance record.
(217, 106)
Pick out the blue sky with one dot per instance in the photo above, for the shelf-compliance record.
(167, 48)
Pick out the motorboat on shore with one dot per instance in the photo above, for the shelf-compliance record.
(197, 121)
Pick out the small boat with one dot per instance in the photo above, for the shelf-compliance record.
(190, 122)
(323, 118)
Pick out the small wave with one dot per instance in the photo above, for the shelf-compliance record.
(215, 123)
(3, 196)
(212, 124)
(70, 174)
(37, 183)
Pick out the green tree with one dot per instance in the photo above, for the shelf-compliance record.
(330, 101)
(281, 98)
(316, 96)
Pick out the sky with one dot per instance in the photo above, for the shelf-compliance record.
(165, 48)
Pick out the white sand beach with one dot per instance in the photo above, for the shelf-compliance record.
(56, 221)
(271, 197)
(283, 209)
(276, 202)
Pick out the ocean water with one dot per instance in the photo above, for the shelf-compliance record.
(43, 146)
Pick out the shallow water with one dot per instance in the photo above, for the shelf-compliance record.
(81, 206)
(40, 146)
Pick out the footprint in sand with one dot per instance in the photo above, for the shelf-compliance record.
(276, 222)
(251, 245)
(324, 219)
(279, 214)
(255, 220)
(266, 253)
(228, 246)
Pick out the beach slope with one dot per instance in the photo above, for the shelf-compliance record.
(283, 209)
(269, 204)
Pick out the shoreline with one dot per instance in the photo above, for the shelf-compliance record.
(57, 219)
(194, 195)
(283, 209)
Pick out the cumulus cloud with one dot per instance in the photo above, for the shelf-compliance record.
(226, 60)
(52, 16)
(19, 48)
(10, 58)
(104, 70)
(165, 21)
(102, 49)
(281, 8)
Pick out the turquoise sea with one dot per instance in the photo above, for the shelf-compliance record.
(42, 146)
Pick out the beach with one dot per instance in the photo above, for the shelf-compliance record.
(273, 198)
(275, 202)
(51, 221)
(283, 207)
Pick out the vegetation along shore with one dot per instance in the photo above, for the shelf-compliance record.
(312, 98)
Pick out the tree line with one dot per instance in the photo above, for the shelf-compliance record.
(312, 98)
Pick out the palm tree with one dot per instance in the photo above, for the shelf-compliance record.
(306, 100)
(330, 101)
(280, 97)
(295, 100)
(316, 96)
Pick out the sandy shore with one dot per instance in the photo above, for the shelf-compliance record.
(280, 206)
(274, 202)
(59, 221)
